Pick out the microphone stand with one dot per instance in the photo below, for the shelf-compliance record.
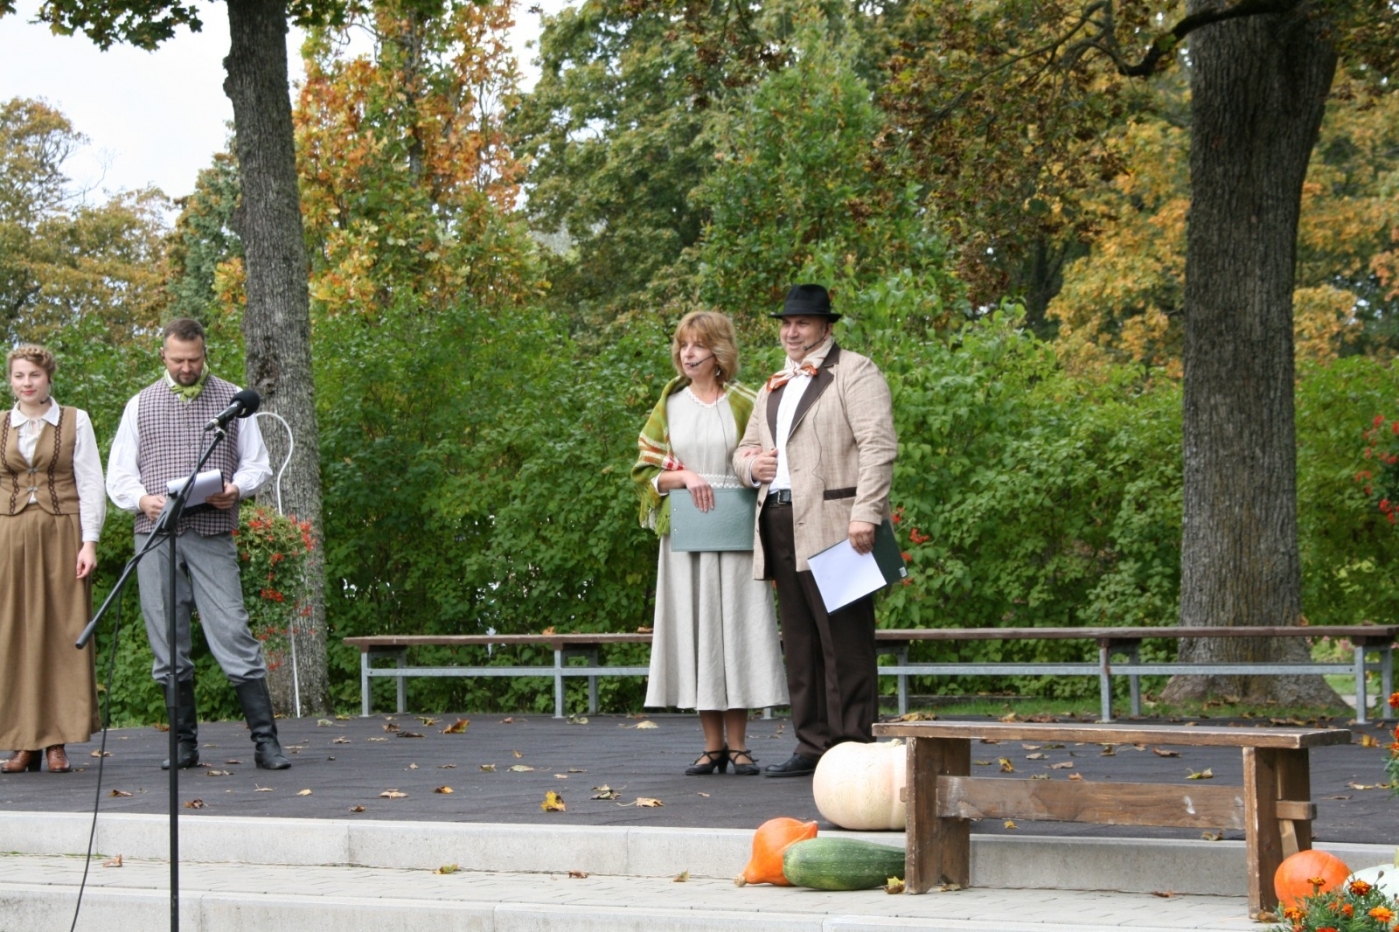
(164, 530)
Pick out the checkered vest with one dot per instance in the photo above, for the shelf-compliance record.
(171, 437)
(50, 478)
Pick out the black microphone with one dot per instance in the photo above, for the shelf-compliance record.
(691, 365)
(243, 404)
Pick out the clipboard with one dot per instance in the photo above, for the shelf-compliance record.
(842, 575)
(209, 482)
(726, 526)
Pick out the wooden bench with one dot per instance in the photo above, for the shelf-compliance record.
(1111, 642)
(1273, 807)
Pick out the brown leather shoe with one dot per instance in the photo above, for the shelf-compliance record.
(58, 759)
(22, 761)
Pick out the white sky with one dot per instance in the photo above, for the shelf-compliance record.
(151, 118)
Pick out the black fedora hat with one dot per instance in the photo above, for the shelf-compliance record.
(808, 301)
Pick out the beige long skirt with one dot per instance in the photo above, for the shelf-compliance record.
(48, 688)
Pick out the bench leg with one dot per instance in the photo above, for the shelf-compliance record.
(1271, 774)
(1386, 681)
(1360, 699)
(903, 682)
(1105, 683)
(366, 701)
(592, 684)
(939, 849)
(1135, 683)
(558, 684)
(402, 659)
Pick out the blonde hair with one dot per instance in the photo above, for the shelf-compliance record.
(716, 332)
(32, 352)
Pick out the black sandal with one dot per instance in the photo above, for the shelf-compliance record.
(709, 762)
(749, 769)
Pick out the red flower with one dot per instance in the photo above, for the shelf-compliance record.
(1394, 704)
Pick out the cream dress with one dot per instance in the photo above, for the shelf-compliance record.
(715, 644)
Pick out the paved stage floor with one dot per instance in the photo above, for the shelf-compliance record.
(340, 765)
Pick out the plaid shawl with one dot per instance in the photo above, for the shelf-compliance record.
(654, 453)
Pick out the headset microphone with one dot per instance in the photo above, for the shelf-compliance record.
(691, 365)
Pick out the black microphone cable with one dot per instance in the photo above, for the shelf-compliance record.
(102, 750)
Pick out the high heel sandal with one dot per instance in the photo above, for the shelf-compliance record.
(709, 762)
(58, 759)
(749, 769)
(22, 761)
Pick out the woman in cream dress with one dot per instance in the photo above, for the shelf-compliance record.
(715, 646)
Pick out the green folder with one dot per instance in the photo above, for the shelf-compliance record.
(726, 526)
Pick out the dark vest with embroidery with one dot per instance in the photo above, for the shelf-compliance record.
(171, 435)
(49, 479)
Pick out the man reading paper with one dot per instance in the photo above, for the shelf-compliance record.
(820, 447)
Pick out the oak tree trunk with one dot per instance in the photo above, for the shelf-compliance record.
(1258, 90)
(277, 321)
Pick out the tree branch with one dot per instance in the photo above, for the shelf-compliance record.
(1163, 46)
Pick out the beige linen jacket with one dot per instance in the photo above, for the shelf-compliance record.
(840, 454)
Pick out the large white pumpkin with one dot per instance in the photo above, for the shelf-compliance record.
(860, 786)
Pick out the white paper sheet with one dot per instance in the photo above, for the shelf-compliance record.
(844, 575)
(209, 482)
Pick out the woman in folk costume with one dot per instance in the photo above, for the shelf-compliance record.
(52, 504)
(715, 647)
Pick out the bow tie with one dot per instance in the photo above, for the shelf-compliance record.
(779, 379)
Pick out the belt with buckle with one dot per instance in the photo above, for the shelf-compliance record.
(780, 497)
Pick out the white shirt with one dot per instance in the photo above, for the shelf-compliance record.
(786, 412)
(124, 472)
(87, 464)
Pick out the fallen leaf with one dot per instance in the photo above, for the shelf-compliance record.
(578, 875)
(1010, 824)
(427, 722)
(1368, 741)
(218, 773)
(1206, 774)
(1037, 756)
(560, 776)
(410, 734)
(195, 804)
(233, 762)
(578, 719)
(392, 794)
(647, 725)
(1368, 786)
(605, 792)
(1075, 776)
(576, 770)
(488, 768)
(681, 877)
(517, 754)
(444, 790)
(510, 720)
(447, 869)
(324, 723)
(102, 753)
(894, 885)
(342, 718)
(112, 862)
(412, 766)
(917, 717)
(521, 768)
(1212, 836)
(553, 802)
(356, 808)
(1012, 717)
(990, 741)
(446, 766)
(705, 795)
(646, 802)
(340, 740)
(161, 726)
(1341, 797)
(949, 887)
(1006, 765)
(1164, 894)
(305, 792)
(1062, 765)
(1164, 752)
(261, 789)
(1266, 916)
(378, 739)
(391, 727)
(982, 763)
(1030, 747)
(119, 793)
(458, 727)
(1108, 751)
(1039, 776)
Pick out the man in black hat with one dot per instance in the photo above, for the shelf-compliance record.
(820, 447)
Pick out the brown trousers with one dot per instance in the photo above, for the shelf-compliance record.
(832, 669)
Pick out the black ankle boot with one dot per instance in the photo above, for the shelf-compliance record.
(257, 709)
(186, 730)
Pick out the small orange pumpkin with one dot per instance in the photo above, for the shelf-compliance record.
(769, 841)
(1293, 881)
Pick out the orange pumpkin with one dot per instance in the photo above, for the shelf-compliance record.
(769, 841)
(1294, 880)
